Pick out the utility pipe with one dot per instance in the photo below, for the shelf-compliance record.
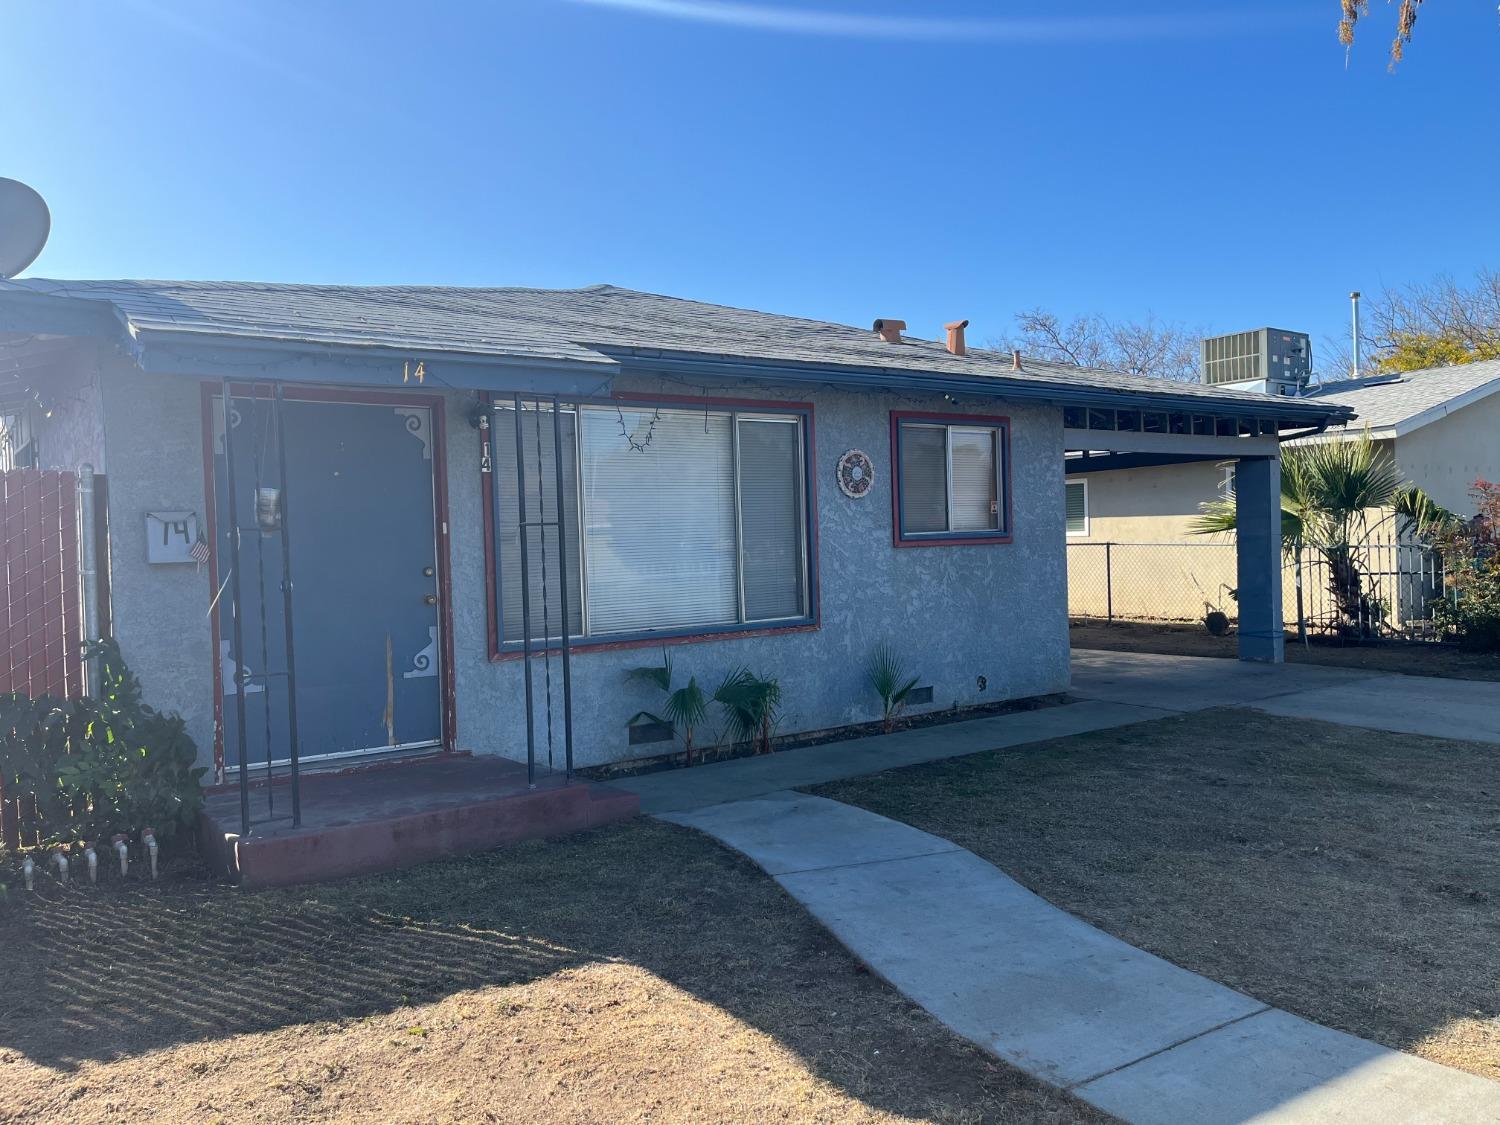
(122, 849)
(92, 858)
(88, 566)
(61, 861)
(28, 872)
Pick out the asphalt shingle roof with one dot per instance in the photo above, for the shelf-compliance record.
(1386, 404)
(582, 326)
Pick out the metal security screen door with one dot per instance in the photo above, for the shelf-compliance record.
(363, 554)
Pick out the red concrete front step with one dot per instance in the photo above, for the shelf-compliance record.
(382, 818)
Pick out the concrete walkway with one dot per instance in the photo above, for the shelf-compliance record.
(1127, 1031)
(1467, 709)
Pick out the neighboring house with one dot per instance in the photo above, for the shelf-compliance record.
(755, 491)
(1441, 426)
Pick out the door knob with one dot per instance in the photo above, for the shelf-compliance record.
(430, 599)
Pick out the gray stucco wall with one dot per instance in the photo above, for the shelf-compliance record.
(73, 436)
(955, 613)
(153, 433)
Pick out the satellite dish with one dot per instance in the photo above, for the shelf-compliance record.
(25, 223)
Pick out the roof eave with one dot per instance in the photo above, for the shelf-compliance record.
(1302, 411)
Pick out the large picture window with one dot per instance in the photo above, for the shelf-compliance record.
(680, 520)
(950, 479)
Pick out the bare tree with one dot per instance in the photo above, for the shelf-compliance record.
(1355, 10)
(1136, 347)
(1434, 324)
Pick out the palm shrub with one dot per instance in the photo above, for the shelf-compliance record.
(1328, 492)
(685, 707)
(751, 706)
(886, 673)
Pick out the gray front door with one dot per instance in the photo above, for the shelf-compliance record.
(361, 520)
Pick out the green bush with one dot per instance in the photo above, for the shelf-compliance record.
(1471, 562)
(99, 764)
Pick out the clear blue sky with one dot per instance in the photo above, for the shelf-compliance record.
(1218, 165)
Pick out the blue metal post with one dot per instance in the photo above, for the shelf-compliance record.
(1257, 496)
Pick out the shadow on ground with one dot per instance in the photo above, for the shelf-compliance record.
(114, 972)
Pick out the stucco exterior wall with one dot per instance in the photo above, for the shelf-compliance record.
(1154, 505)
(153, 433)
(1445, 457)
(955, 613)
(73, 436)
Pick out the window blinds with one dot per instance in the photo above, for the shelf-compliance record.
(771, 518)
(659, 526)
(924, 483)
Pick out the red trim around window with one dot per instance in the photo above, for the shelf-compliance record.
(498, 654)
(949, 539)
(209, 389)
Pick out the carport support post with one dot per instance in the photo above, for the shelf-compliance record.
(1257, 497)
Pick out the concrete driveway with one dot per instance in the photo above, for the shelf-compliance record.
(1468, 709)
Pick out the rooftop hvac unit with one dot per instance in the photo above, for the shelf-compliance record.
(1279, 359)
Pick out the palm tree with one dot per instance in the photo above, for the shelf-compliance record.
(1328, 490)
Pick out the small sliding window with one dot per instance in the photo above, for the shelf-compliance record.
(951, 484)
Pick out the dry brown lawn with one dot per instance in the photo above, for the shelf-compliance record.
(637, 973)
(1174, 639)
(1350, 876)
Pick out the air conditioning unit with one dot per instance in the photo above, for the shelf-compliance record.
(1271, 360)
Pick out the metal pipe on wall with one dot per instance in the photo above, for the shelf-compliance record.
(295, 749)
(525, 594)
(88, 570)
(237, 632)
(562, 589)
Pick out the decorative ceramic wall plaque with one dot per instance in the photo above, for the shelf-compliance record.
(856, 473)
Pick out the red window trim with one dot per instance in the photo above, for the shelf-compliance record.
(950, 539)
(498, 654)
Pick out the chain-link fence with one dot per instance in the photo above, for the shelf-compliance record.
(1381, 587)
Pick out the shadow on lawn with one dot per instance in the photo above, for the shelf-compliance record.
(101, 973)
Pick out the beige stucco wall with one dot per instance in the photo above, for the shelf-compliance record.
(1153, 505)
(1444, 457)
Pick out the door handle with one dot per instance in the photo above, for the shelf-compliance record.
(430, 599)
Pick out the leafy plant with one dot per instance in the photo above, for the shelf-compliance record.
(1329, 490)
(886, 673)
(1471, 562)
(685, 709)
(751, 708)
(96, 765)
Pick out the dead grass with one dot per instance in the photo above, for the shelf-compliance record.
(638, 973)
(1174, 639)
(1350, 876)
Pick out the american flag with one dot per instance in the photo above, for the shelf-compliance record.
(200, 551)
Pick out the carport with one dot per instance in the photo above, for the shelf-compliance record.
(1107, 439)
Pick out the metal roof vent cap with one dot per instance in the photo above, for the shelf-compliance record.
(890, 330)
(955, 330)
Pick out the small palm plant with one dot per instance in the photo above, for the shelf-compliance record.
(751, 708)
(685, 708)
(886, 673)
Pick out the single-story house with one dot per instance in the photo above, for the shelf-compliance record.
(1440, 426)
(746, 490)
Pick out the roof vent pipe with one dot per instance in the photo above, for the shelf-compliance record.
(1015, 359)
(890, 330)
(955, 331)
